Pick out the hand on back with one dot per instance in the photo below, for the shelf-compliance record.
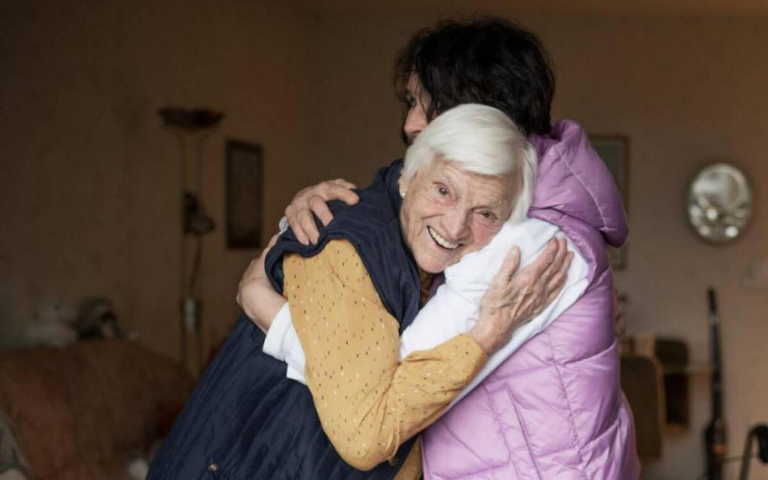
(313, 201)
(514, 299)
(255, 294)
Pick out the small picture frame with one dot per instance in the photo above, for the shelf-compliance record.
(245, 194)
(614, 151)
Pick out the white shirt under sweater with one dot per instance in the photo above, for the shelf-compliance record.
(454, 308)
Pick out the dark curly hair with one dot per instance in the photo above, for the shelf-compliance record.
(490, 61)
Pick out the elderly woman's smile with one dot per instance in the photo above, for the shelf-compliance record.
(448, 212)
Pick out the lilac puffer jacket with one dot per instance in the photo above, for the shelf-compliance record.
(554, 410)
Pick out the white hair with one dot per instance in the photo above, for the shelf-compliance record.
(483, 140)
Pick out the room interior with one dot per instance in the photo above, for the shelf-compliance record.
(90, 176)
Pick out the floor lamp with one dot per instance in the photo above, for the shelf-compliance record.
(191, 127)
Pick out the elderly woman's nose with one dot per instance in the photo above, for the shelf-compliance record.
(456, 225)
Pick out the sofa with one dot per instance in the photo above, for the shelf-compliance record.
(85, 411)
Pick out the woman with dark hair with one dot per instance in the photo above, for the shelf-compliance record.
(491, 61)
(554, 407)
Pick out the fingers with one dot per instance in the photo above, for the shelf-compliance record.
(562, 252)
(558, 280)
(339, 191)
(510, 264)
(259, 265)
(343, 193)
(551, 283)
(344, 183)
(270, 244)
(294, 221)
(541, 282)
(498, 289)
(554, 262)
(308, 226)
(320, 208)
(561, 259)
(549, 260)
(513, 301)
(545, 259)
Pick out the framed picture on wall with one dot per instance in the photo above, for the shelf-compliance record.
(245, 194)
(614, 151)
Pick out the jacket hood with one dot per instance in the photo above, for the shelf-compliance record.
(573, 181)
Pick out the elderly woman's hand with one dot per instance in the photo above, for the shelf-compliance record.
(313, 201)
(260, 302)
(513, 300)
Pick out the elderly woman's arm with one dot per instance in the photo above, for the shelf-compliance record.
(301, 287)
(368, 401)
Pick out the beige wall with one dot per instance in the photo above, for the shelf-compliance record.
(687, 92)
(89, 178)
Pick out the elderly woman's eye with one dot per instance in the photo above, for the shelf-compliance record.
(488, 215)
(442, 191)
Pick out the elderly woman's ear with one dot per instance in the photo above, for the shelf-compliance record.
(403, 185)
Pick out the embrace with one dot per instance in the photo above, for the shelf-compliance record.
(453, 320)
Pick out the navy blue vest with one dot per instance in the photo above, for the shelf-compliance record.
(373, 227)
(245, 419)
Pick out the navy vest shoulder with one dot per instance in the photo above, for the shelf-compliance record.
(373, 227)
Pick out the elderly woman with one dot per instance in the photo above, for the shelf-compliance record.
(351, 294)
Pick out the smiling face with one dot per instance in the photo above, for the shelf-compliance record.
(448, 213)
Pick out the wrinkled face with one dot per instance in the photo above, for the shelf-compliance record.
(418, 101)
(448, 213)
